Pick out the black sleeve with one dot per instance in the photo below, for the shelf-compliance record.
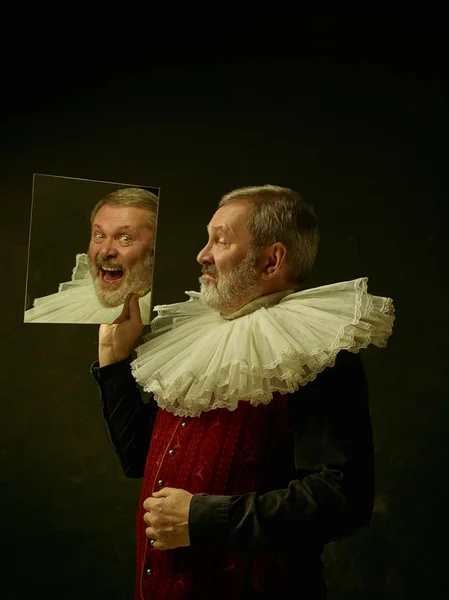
(128, 420)
(333, 492)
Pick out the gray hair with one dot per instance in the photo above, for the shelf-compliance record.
(132, 196)
(279, 214)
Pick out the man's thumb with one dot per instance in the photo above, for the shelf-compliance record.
(134, 309)
(125, 314)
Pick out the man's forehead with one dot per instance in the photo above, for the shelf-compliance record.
(130, 217)
(219, 228)
(122, 225)
(229, 218)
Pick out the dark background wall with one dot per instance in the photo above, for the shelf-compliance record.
(353, 115)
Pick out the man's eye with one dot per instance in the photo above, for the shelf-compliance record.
(98, 235)
(125, 238)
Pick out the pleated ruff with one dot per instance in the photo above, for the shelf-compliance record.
(195, 360)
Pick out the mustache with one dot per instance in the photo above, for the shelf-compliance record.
(212, 270)
(112, 264)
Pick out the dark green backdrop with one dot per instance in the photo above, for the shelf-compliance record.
(363, 142)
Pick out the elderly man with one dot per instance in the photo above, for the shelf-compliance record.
(119, 262)
(256, 448)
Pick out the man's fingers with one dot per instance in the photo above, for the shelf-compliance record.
(126, 304)
(154, 500)
(153, 541)
(150, 533)
(164, 492)
(150, 503)
(125, 314)
(134, 309)
(156, 544)
(130, 311)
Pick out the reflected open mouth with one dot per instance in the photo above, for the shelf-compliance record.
(111, 276)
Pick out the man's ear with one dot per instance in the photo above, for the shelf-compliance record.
(274, 260)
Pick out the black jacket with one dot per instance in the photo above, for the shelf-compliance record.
(332, 494)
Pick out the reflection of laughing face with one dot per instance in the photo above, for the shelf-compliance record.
(121, 252)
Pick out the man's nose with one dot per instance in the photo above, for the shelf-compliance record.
(205, 256)
(108, 249)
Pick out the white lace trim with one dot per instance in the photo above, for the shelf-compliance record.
(195, 360)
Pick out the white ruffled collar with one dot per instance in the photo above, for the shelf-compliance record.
(197, 360)
(260, 302)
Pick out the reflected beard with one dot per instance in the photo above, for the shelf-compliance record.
(136, 280)
(234, 290)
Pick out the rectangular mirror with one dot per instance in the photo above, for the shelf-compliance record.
(91, 243)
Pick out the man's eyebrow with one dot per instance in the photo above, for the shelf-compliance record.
(127, 228)
(219, 228)
(120, 228)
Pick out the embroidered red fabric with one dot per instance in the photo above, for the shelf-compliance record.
(224, 453)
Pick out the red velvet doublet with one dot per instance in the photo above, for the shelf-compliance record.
(220, 452)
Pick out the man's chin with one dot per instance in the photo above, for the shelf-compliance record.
(109, 299)
(112, 299)
(109, 302)
(207, 282)
(210, 296)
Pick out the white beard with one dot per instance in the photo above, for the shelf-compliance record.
(137, 280)
(237, 288)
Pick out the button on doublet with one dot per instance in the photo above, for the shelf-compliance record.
(160, 482)
(183, 424)
(149, 572)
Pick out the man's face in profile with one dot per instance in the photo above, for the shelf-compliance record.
(230, 277)
(121, 253)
